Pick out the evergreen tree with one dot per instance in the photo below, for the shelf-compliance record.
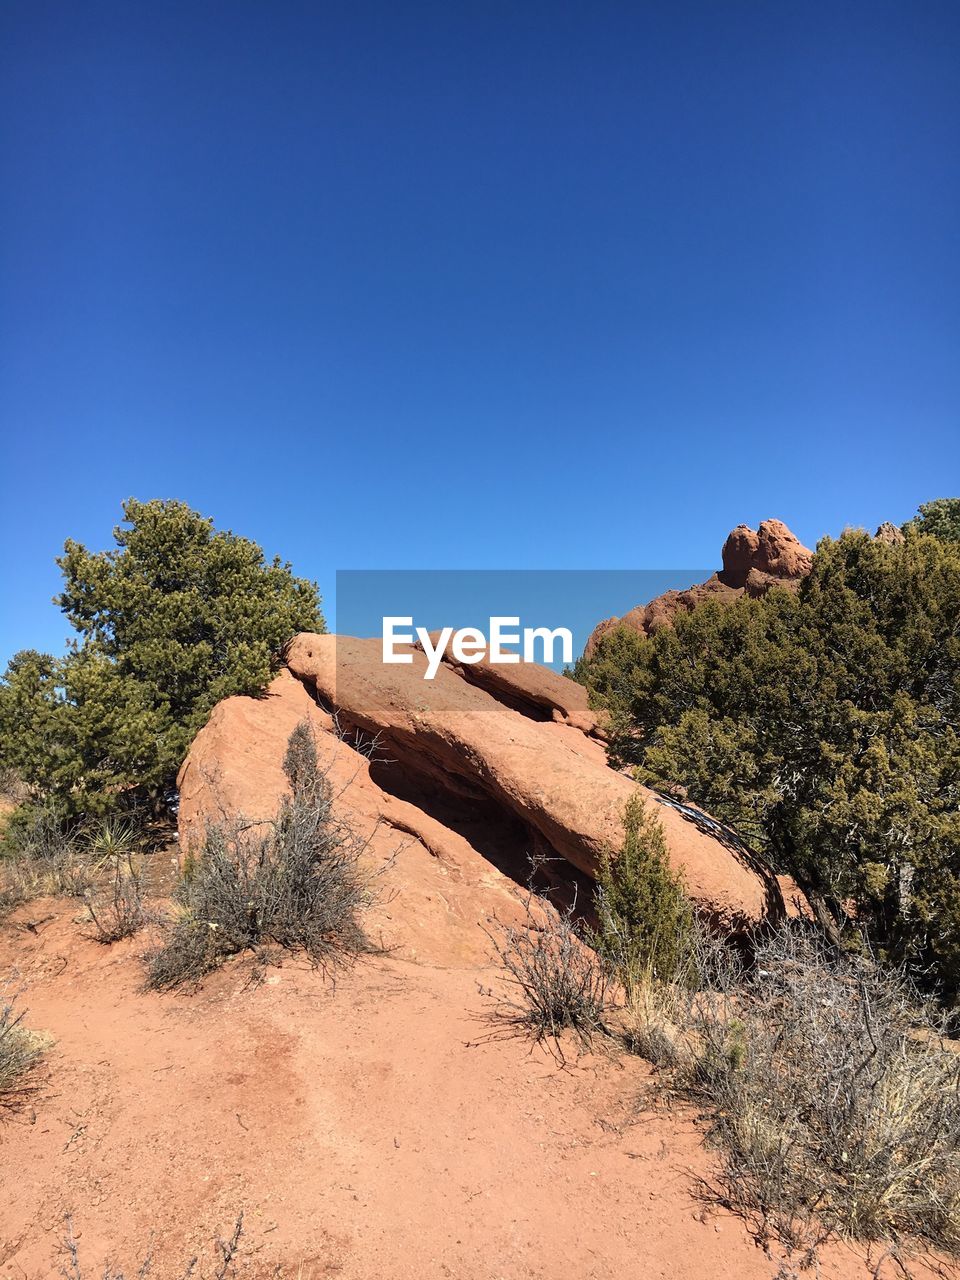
(644, 916)
(824, 727)
(176, 617)
(940, 517)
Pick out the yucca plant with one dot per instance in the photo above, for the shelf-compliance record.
(118, 911)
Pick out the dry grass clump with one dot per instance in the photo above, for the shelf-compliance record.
(299, 886)
(558, 980)
(98, 861)
(41, 856)
(20, 1052)
(833, 1096)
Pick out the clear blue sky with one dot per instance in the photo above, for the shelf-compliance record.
(492, 285)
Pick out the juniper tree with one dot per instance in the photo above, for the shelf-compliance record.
(940, 517)
(177, 616)
(824, 727)
(643, 913)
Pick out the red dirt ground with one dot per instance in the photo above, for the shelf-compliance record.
(368, 1129)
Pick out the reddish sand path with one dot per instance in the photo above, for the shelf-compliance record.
(362, 1130)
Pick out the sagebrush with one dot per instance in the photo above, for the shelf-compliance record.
(20, 1053)
(557, 981)
(296, 882)
(833, 1096)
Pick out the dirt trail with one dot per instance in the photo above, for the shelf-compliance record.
(366, 1130)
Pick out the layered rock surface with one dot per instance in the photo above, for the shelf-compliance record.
(456, 782)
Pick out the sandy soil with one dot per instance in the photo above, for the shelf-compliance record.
(367, 1128)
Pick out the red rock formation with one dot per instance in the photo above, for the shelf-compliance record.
(890, 534)
(534, 690)
(461, 770)
(772, 551)
(448, 877)
(754, 560)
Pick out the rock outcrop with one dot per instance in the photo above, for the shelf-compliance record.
(469, 775)
(754, 560)
(891, 534)
(534, 690)
(447, 871)
(770, 555)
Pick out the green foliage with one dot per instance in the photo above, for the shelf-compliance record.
(175, 618)
(30, 700)
(823, 727)
(644, 915)
(940, 517)
(78, 731)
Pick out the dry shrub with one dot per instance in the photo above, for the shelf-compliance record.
(41, 857)
(20, 1052)
(115, 908)
(559, 982)
(96, 861)
(12, 788)
(833, 1098)
(118, 913)
(300, 886)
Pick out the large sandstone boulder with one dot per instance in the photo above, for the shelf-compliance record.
(534, 690)
(454, 783)
(459, 737)
(438, 883)
(754, 560)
